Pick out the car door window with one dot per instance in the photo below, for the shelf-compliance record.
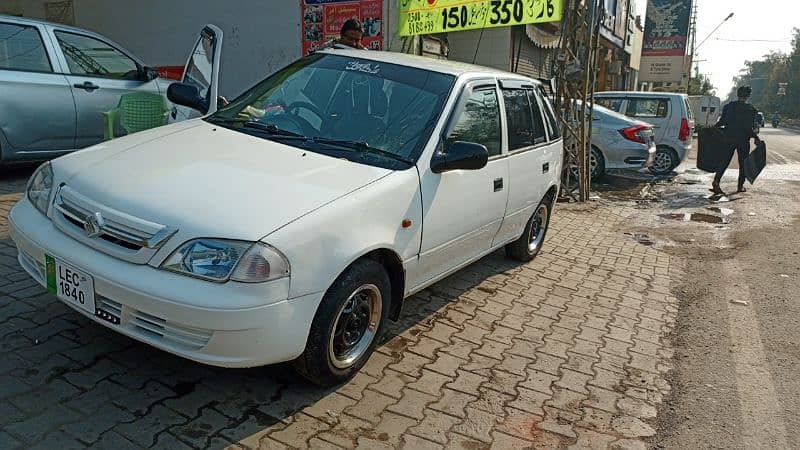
(21, 48)
(200, 69)
(479, 121)
(648, 108)
(524, 130)
(614, 104)
(89, 56)
(553, 125)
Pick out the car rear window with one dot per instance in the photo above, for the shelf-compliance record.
(688, 108)
(648, 107)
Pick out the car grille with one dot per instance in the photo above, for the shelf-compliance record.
(150, 327)
(110, 231)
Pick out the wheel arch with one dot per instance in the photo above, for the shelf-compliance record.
(393, 265)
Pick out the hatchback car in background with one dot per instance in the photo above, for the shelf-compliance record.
(291, 224)
(57, 81)
(670, 115)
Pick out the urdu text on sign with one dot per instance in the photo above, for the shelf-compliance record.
(439, 16)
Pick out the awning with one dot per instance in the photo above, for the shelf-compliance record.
(542, 37)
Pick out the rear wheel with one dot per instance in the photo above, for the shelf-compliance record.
(347, 325)
(664, 161)
(530, 243)
(597, 164)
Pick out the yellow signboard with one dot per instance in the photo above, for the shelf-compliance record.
(439, 16)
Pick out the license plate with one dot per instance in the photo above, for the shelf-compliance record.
(70, 284)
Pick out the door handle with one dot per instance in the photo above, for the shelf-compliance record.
(86, 86)
(498, 184)
(546, 167)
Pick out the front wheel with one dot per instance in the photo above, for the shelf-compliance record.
(530, 243)
(664, 162)
(347, 325)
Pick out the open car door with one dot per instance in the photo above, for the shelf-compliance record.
(202, 72)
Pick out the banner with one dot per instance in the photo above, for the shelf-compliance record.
(439, 16)
(665, 37)
(323, 20)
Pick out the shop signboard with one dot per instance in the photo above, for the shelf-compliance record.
(439, 16)
(665, 37)
(323, 20)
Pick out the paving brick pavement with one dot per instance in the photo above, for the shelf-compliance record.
(568, 351)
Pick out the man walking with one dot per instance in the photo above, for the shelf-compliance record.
(738, 125)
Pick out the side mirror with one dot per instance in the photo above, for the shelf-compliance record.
(146, 74)
(460, 156)
(186, 95)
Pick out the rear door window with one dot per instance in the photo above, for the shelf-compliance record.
(612, 103)
(648, 108)
(21, 48)
(553, 125)
(522, 128)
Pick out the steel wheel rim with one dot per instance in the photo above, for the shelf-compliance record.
(356, 325)
(537, 229)
(592, 163)
(662, 162)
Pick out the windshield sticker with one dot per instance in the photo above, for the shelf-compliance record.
(363, 67)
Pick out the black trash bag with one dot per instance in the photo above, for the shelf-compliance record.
(755, 162)
(713, 150)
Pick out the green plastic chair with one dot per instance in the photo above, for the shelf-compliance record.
(137, 111)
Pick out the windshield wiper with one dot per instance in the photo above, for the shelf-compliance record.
(360, 147)
(247, 123)
(272, 129)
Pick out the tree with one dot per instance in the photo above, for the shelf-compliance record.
(701, 85)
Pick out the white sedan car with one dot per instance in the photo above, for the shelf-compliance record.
(290, 224)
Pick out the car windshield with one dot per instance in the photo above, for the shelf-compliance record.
(367, 111)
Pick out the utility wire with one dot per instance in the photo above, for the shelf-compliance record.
(753, 40)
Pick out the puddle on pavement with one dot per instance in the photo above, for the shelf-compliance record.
(694, 217)
(642, 238)
(724, 211)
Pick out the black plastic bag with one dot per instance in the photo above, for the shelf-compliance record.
(755, 162)
(713, 150)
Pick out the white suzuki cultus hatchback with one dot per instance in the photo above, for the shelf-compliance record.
(290, 224)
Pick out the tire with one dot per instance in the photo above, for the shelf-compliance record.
(530, 243)
(666, 160)
(597, 163)
(332, 357)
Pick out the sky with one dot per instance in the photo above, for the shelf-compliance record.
(752, 19)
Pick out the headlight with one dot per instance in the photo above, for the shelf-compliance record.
(40, 186)
(222, 260)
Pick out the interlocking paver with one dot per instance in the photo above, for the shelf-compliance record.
(434, 426)
(567, 350)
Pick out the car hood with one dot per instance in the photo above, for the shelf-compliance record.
(210, 181)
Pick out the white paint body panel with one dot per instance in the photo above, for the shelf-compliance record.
(322, 213)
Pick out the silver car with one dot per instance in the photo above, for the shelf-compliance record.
(56, 81)
(619, 142)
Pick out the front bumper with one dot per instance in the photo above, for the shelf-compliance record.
(230, 324)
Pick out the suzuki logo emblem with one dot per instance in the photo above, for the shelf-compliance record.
(94, 225)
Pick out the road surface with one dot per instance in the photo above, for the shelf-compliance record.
(736, 377)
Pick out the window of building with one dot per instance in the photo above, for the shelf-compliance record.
(21, 48)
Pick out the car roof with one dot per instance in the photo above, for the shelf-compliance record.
(29, 21)
(422, 62)
(637, 94)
